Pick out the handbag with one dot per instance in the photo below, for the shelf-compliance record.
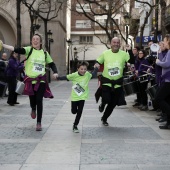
(20, 87)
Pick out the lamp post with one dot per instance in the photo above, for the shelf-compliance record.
(35, 24)
(68, 58)
(50, 40)
(85, 49)
(126, 18)
(75, 59)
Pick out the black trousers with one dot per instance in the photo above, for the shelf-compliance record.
(36, 100)
(144, 97)
(111, 98)
(12, 83)
(162, 98)
(77, 108)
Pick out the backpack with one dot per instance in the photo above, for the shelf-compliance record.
(31, 53)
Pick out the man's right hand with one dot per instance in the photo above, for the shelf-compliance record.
(128, 47)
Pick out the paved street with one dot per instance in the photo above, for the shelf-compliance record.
(133, 140)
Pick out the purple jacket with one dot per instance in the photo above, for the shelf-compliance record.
(165, 64)
(28, 90)
(13, 68)
(158, 69)
(138, 66)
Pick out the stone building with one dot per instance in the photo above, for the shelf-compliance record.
(8, 31)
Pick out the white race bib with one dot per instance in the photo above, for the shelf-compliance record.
(114, 71)
(38, 68)
(78, 89)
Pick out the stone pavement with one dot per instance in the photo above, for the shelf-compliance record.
(133, 140)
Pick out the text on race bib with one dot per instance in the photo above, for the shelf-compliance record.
(78, 89)
(114, 71)
(38, 67)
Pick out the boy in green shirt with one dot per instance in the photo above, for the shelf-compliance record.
(80, 89)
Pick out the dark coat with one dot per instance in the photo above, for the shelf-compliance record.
(13, 68)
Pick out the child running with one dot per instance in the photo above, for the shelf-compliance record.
(80, 89)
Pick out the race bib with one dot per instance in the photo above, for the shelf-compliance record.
(78, 89)
(114, 71)
(38, 68)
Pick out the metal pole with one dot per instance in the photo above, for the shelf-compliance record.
(156, 21)
(126, 34)
(84, 55)
(68, 64)
(49, 50)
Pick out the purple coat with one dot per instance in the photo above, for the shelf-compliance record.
(138, 66)
(165, 64)
(158, 69)
(13, 68)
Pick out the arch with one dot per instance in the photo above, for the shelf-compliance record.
(12, 22)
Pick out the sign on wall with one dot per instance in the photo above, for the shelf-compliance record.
(145, 39)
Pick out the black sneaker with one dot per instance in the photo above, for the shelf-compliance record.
(104, 122)
(136, 105)
(75, 129)
(101, 107)
(166, 126)
(157, 119)
(162, 119)
(144, 108)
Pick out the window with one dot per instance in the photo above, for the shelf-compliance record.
(141, 5)
(86, 39)
(103, 22)
(83, 24)
(137, 4)
(86, 7)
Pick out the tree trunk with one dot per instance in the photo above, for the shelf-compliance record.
(18, 2)
(163, 7)
(46, 36)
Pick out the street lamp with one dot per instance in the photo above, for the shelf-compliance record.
(126, 19)
(69, 42)
(50, 40)
(35, 25)
(115, 33)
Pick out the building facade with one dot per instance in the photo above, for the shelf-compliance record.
(8, 31)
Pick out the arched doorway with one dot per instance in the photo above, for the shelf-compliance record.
(7, 34)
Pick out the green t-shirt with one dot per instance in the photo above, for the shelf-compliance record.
(114, 64)
(80, 89)
(35, 65)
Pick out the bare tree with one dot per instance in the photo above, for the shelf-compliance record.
(149, 8)
(18, 19)
(46, 10)
(163, 10)
(106, 8)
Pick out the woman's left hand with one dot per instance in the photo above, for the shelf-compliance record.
(55, 75)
